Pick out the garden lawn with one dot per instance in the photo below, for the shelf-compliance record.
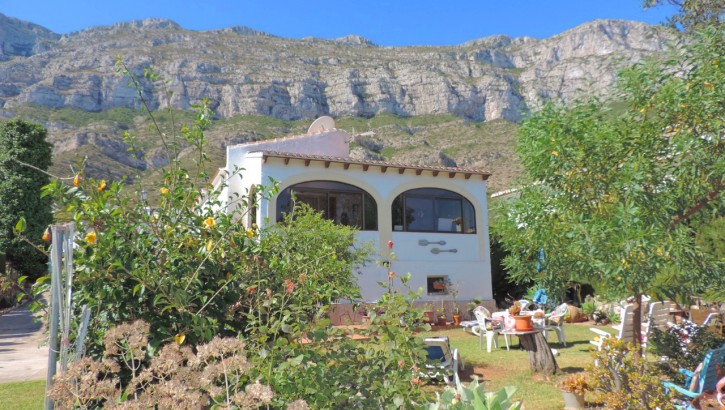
(22, 395)
(502, 368)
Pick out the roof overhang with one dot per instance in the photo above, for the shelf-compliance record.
(450, 172)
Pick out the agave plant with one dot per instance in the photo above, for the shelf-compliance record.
(475, 397)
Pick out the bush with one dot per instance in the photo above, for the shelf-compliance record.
(215, 376)
(685, 346)
(623, 380)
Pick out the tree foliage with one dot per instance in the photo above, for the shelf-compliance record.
(24, 155)
(617, 194)
(692, 14)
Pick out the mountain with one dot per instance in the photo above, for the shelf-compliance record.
(244, 72)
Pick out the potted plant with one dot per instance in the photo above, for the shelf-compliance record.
(588, 309)
(457, 318)
(573, 388)
(441, 316)
(439, 284)
(523, 322)
(429, 313)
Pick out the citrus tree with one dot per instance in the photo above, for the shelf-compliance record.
(615, 195)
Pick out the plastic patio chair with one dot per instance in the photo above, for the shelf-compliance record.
(625, 330)
(484, 326)
(658, 317)
(702, 379)
(555, 322)
(442, 361)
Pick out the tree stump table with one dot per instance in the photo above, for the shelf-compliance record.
(541, 358)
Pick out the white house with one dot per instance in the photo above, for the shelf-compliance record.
(437, 217)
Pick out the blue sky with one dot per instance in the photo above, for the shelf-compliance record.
(392, 22)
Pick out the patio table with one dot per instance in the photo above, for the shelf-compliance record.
(541, 358)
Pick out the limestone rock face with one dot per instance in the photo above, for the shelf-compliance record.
(243, 71)
(20, 38)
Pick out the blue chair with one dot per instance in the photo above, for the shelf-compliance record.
(704, 378)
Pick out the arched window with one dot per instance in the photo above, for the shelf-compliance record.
(433, 210)
(343, 203)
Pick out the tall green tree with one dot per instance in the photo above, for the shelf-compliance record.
(618, 193)
(24, 155)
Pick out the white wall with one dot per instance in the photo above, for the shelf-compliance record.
(469, 268)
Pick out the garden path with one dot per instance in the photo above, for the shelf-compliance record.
(21, 355)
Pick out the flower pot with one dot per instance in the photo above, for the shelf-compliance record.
(573, 401)
(457, 320)
(430, 316)
(524, 323)
(442, 321)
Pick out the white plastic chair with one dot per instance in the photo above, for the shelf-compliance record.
(658, 317)
(625, 330)
(555, 322)
(489, 329)
(442, 360)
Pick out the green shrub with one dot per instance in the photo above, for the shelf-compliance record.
(622, 379)
(685, 346)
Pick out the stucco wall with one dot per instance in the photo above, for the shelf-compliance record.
(469, 269)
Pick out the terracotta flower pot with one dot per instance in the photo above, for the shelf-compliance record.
(524, 323)
(457, 320)
(442, 321)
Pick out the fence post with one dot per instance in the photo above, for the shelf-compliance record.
(60, 310)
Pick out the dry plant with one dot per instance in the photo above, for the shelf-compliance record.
(128, 377)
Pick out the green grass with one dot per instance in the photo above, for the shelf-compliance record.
(511, 368)
(22, 395)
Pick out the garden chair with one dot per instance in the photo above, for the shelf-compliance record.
(702, 379)
(625, 330)
(484, 326)
(658, 317)
(707, 318)
(442, 360)
(555, 322)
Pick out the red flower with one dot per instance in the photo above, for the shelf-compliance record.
(251, 290)
(390, 244)
(289, 285)
(415, 380)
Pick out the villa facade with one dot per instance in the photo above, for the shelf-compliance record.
(437, 217)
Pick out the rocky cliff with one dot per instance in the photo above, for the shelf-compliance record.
(243, 71)
(47, 77)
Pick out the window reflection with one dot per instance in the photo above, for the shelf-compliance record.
(433, 210)
(342, 203)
